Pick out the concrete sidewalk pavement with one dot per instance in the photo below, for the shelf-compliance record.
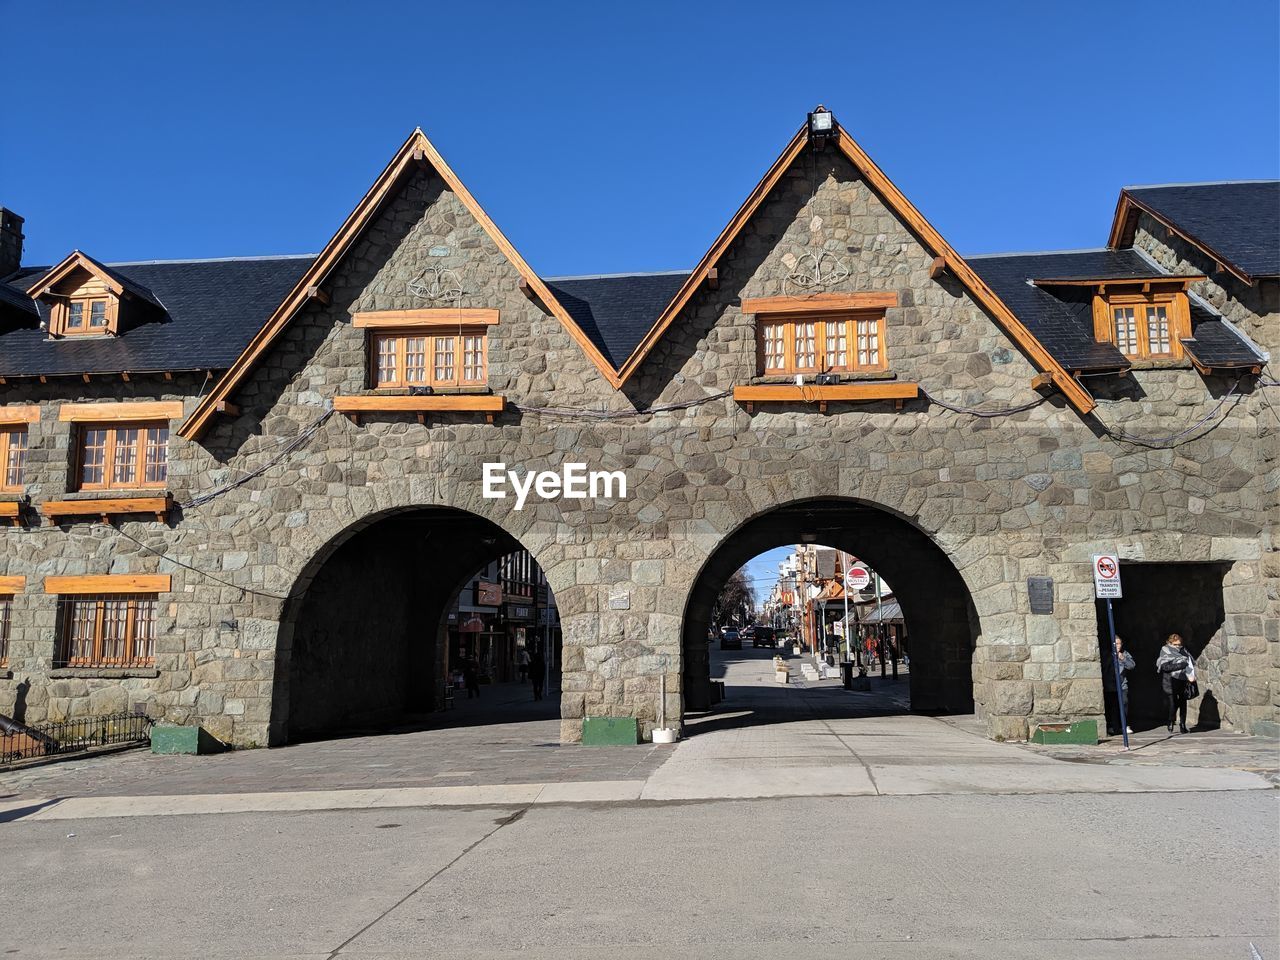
(795, 740)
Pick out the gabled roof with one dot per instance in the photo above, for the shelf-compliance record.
(416, 150)
(75, 260)
(1236, 223)
(1061, 317)
(898, 204)
(617, 310)
(211, 309)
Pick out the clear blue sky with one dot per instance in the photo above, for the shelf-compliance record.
(611, 137)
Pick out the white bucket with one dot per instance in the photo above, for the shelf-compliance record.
(664, 735)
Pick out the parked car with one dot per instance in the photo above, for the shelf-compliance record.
(731, 640)
(763, 637)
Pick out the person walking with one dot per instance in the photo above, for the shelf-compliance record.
(537, 672)
(1177, 668)
(471, 677)
(1125, 659)
(522, 663)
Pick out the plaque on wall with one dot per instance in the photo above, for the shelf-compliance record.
(1040, 593)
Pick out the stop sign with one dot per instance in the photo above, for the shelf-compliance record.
(859, 578)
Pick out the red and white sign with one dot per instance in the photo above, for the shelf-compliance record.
(859, 578)
(1106, 577)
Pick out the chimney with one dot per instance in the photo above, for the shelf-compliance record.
(10, 242)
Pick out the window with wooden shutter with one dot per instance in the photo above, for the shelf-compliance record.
(429, 359)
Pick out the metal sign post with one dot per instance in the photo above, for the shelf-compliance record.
(1106, 586)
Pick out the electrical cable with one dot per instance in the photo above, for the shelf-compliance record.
(203, 573)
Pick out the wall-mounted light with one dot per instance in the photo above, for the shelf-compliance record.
(821, 123)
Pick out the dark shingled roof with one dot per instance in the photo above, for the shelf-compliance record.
(616, 311)
(209, 311)
(1239, 221)
(1215, 344)
(1061, 318)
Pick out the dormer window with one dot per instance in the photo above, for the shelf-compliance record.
(1146, 318)
(86, 298)
(1143, 326)
(86, 316)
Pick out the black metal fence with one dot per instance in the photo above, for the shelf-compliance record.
(73, 736)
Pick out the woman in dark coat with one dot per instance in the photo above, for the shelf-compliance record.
(1177, 668)
(1109, 682)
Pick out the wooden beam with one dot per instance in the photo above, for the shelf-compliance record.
(13, 584)
(110, 583)
(20, 413)
(433, 403)
(315, 292)
(937, 268)
(713, 278)
(849, 392)
(429, 317)
(1041, 380)
(104, 509)
(228, 408)
(821, 303)
(116, 412)
(11, 512)
(1180, 281)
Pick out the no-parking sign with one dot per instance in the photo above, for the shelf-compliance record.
(1106, 577)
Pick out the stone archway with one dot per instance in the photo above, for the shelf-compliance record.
(935, 599)
(361, 635)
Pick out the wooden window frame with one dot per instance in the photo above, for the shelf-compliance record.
(1177, 312)
(401, 337)
(109, 453)
(822, 322)
(7, 432)
(98, 637)
(60, 316)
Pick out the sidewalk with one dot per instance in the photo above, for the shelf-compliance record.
(803, 739)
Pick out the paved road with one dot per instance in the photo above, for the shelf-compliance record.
(787, 825)
(1062, 876)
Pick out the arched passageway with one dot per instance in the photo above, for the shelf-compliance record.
(365, 637)
(935, 601)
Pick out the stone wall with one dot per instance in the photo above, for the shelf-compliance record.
(1032, 494)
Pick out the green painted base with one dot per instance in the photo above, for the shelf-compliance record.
(610, 732)
(1082, 731)
(169, 740)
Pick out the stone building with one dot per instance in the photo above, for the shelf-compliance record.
(245, 491)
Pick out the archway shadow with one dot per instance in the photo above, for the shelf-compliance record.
(362, 645)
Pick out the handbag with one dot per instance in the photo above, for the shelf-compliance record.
(1193, 690)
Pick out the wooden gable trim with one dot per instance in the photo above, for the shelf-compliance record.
(61, 270)
(1125, 224)
(120, 412)
(416, 150)
(110, 583)
(893, 198)
(702, 271)
(433, 317)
